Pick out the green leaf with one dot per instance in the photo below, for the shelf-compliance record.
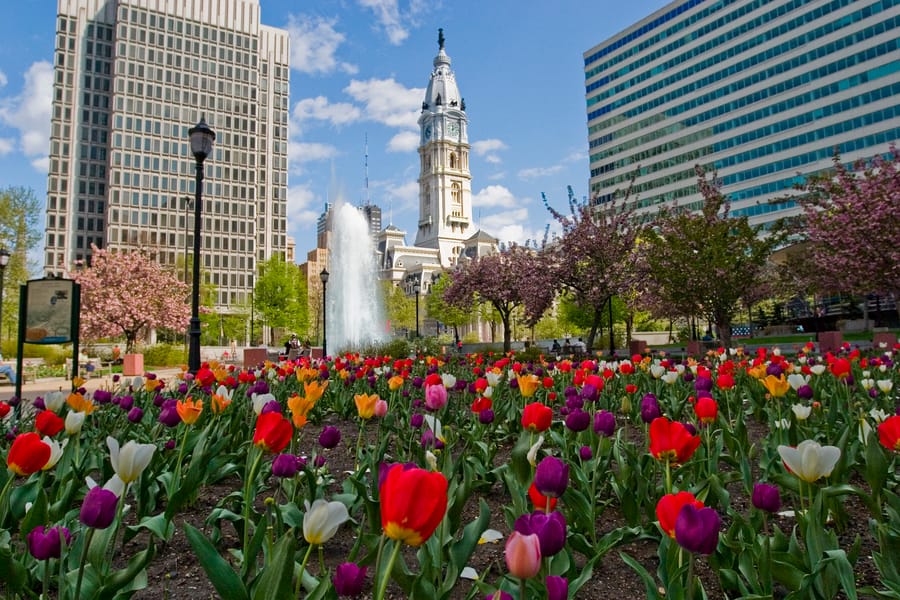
(275, 580)
(130, 575)
(649, 584)
(158, 525)
(221, 575)
(38, 515)
(519, 462)
(12, 573)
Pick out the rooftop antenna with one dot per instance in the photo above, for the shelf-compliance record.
(367, 168)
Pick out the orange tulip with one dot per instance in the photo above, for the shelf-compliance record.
(314, 390)
(413, 503)
(365, 405)
(189, 410)
(273, 432)
(671, 442)
(395, 383)
(300, 407)
(219, 403)
(79, 403)
(306, 374)
(28, 454)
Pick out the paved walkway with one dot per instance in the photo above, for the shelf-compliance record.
(40, 387)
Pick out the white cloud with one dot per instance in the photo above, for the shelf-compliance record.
(388, 102)
(7, 145)
(576, 156)
(301, 207)
(304, 152)
(397, 199)
(494, 195)
(314, 43)
(320, 109)
(482, 147)
(405, 141)
(511, 226)
(497, 176)
(29, 112)
(493, 159)
(536, 172)
(395, 23)
(3, 79)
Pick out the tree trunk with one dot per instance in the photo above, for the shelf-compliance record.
(507, 332)
(595, 324)
(723, 324)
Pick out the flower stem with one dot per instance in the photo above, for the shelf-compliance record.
(302, 569)
(46, 584)
(382, 586)
(84, 553)
(668, 476)
(248, 500)
(690, 588)
(522, 590)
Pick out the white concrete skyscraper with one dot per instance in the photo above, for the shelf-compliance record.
(131, 77)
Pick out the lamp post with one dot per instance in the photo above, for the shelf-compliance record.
(4, 260)
(323, 276)
(202, 138)
(416, 288)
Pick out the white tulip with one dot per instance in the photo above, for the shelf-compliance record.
(74, 422)
(810, 461)
(670, 377)
(878, 415)
(797, 380)
(532, 452)
(492, 378)
(448, 380)
(657, 371)
(801, 412)
(260, 400)
(322, 520)
(56, 452)
(131, 460)
(54, 401)
(817, 369)
(885, 385)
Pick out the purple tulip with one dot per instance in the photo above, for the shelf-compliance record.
(349, 580)
(170, 444)
(702, 384)
(330, 437)
(649, 408)
(98, 510)
(766, 497)
(604, 423)
(102, 396)
(774, 369)
(126, 402)
(697, 529)
(136, 414)
(690, 427)
(557, 587)
(486, 416)
(39, 404)
(551, 477)
(285, 465)
(319, 461)
(805, 392)
(429, 440)
(550, 529)
(416, 420)
(44, 544)
(589, 392)
(168, 415)
(271, 406)
(578, 420)
(585, 453)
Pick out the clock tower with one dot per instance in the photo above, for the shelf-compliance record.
(445, 184)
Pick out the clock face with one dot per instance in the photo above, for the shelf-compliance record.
(428, 132)
(453, 128)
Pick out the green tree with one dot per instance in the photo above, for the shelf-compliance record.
(704, 263)
(440, 309)
(20, 232)
(399, 308)
(280, 295)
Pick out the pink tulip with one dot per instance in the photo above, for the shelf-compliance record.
(381, 408)
(435, 397)
(523, 555)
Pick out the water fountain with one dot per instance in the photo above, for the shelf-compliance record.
(353, 313)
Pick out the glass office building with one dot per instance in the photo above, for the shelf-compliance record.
(758, 91)
(131, 77)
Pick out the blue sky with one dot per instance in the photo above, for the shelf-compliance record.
(360, 68)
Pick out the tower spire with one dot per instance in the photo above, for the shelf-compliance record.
(367, 168)
(441, 38)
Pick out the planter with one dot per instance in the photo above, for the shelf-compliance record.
(830, 341)
(133, 364)
(255, 356)
(884, 340)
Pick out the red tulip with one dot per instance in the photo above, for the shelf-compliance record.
(28, 454)
(539, 500)
(706, 410)
(725, 381)
(273, 432)
(669, 506)
(49, 423)
(889, 433)
(413, 503)
(670, 441)
(537, 417)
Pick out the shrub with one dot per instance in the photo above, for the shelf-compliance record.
(164, 355)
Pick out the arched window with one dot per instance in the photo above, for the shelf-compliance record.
(456, 207)
(454, 161)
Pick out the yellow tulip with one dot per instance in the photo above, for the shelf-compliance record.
(777, 386)
(314, 389)
(300, 407)
(528, 384)
(395, 383)
(79, 403)
(189, 410)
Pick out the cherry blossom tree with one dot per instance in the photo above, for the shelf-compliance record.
(515, 277)
(852, 227)
(591, 258)
(705, 263)
(128, 293)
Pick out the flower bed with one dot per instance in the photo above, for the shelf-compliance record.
(465, 476)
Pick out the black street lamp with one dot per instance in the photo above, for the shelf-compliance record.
(323, 276)
(4, 260)
(202, 138)
(416, 288)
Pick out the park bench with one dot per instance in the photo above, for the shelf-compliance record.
(30, 369)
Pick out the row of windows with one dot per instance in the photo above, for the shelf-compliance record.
(180, 45)
(670, 47)
(771, 129)
(801, 139)
(664, 18)
(160, 21)
(789, 65)
(761, 38)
